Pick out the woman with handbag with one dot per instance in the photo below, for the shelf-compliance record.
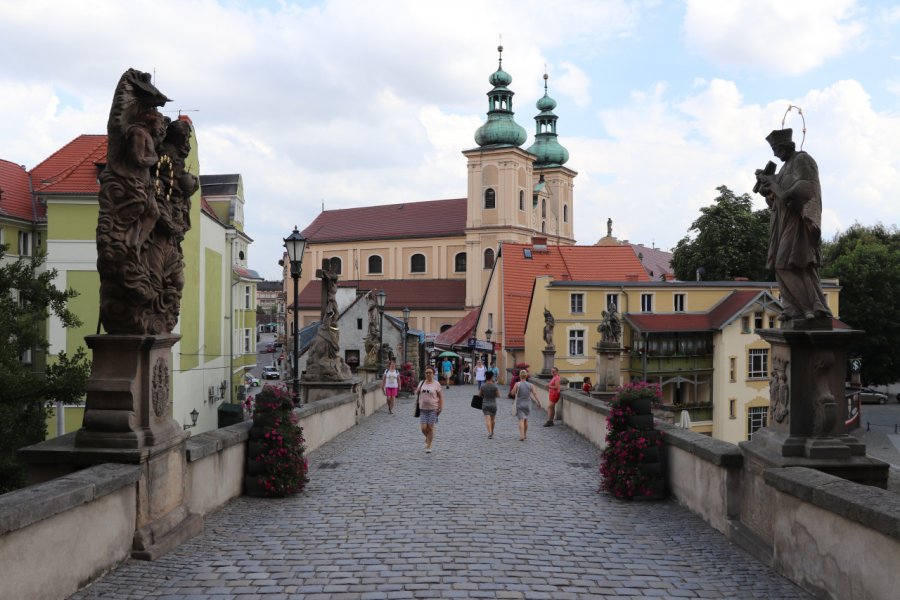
(430, 400)
(489, 393)
(524, 393)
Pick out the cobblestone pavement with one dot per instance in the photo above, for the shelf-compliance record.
(477, 518)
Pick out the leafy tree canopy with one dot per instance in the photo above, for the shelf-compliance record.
(866, 261)
(730, 240)
(27, 299)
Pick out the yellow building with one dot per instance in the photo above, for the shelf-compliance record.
(696, 340)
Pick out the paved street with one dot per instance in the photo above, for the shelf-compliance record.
(477, 518)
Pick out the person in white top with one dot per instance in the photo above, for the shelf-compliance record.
(390, 385)
(480, 371)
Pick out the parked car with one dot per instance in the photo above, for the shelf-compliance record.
(270, 372)
(279, 344)
(250, 380)
(270, 347)
(869, 396)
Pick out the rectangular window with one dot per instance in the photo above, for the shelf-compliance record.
(576, 342)
(359, 324)
(577, 303)
(246, 296)
(24, 243)
(771, 321)
(758, 320)
(757, 417)
(646, 302)
(732, 408)
(745, 324)
(247, 341)
(25, 358)
(758, 363)
(612, 299)
(679, 302)
(732, 368)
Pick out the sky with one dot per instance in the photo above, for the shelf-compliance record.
(347, 103)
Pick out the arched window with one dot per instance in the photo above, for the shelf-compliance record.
(459, 262)
(375, 265)
(489, 258)
(544, 208)
(565, 213)
(521, 200)
(445, 327)
(336, 264)
(490, 198)
(543, 227)
(417, 263)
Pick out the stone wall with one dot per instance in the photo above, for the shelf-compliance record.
(58, 536)
(835, 538)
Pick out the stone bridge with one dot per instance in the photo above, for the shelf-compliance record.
(477, 518)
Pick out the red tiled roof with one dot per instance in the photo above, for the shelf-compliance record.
(417, 294)
(716, 318)
(15, 194)
(460, 332)
(73, 169)
(574, 263)
(432, 218)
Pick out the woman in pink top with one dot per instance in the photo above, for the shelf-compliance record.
(430, 397)
(390, 384)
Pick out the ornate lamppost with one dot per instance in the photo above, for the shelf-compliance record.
(295, 244)
(381, 298)
(406, 312)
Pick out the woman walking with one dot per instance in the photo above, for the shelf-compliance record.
(480, 372)
(390, 384)
(431, 402)
(523, 392)
(553, 391)
(489, 393)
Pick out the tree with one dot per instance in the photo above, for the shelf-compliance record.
(731, 241)
(866, 262)
(27, 299)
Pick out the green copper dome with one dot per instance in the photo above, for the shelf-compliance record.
(500, 129)
(549, 152)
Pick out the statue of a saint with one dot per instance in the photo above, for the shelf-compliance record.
(324, 362)
(610, 327)
(549, 323)
(795, 196)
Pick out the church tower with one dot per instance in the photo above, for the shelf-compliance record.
(553, 191)
(500, 184)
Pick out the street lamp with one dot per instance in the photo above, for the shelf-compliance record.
(406, 312)
(487, 337)
(381, 298)
(295, 244)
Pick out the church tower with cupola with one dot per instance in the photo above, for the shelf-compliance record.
(553, 192)
(513, 194)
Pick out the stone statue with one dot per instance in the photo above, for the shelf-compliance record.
(144, 207)
(795, 196)
(374, 333)
(324, 362)
(609, 227)
(610, 327)
(549, 323)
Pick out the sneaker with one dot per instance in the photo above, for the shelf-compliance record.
(427, 450)
(490, 436)
(548, 424)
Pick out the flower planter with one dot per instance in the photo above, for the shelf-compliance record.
(641, 405)
(642, 422)
(275, 464)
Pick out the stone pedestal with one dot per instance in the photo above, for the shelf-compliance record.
(313, 391)
(808, 410)
(128, 419)
(549, 361)
(609, 367)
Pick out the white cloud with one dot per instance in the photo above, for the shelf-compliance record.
(573, 83)
(788, 38)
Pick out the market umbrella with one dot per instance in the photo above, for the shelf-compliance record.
(448, 353)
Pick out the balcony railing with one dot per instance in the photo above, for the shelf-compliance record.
(671, 363)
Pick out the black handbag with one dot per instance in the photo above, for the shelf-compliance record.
(476, 401)
(419, 391)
